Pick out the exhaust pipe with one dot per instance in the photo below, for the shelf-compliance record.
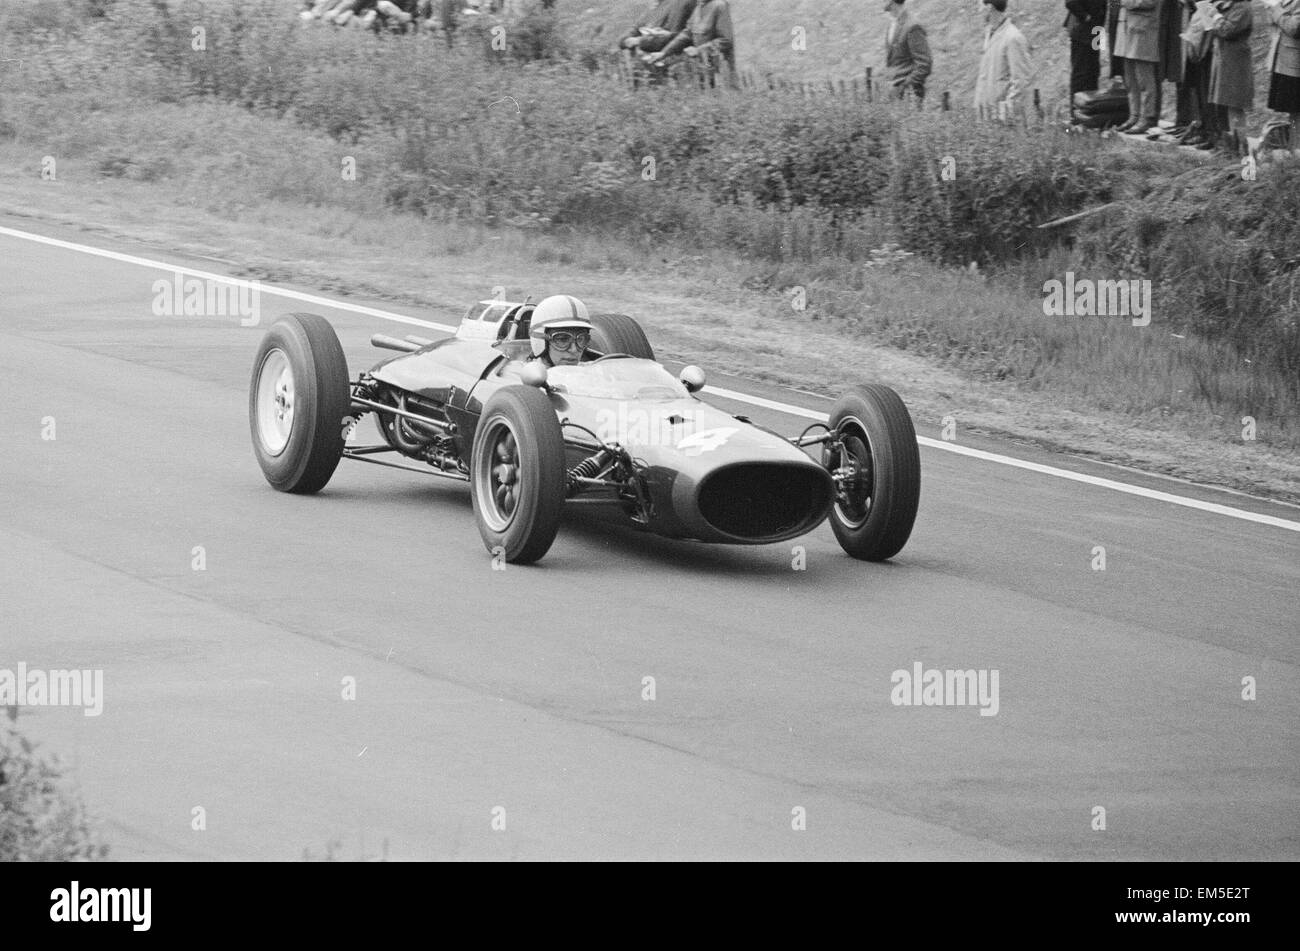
(385, 342)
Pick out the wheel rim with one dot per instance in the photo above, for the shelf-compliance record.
(275, 402)
(498, 477)
(853, 497)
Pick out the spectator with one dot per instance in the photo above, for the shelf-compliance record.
(1204, 120)
(653, 32)
(907, 52)
(1112, 28)
(394, 14)
(1005, 68)
(1137, 40)
(1169, 48)
(1232, 82)
(1284, 63)
(1082, 17)
(320, 9)
(709, 41)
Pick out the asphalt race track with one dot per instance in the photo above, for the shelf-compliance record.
(517, 695)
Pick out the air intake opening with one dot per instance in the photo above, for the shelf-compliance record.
(765, 501)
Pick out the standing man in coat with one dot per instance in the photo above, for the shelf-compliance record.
(1005, 68)
(1232, 79)
(1137, 40)
(1112, 31)
(907, 53)
(1082, 17)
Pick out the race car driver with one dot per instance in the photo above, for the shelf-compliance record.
(560, 331)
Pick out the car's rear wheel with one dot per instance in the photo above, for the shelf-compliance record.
(619, 333)
(879, 472)
(299, 403)
(517, 474)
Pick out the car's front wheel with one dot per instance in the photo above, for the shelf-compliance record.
(299, 403)
(517, 474)
(878, 472)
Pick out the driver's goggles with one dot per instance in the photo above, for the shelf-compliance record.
(566, 339)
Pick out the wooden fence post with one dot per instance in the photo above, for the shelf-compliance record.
(947, 101)
(869, 90)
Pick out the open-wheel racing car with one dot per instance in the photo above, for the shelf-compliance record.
(617, 429)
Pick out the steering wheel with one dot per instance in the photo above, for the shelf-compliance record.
(612, 356)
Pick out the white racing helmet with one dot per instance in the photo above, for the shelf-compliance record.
(558, 312)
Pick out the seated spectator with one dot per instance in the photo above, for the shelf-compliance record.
(320, 8)
(653, 32)
(392, 14)
(708, 42)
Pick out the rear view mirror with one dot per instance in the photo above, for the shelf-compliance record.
(692, 378)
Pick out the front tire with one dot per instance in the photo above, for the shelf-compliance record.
(299, 403)
(517, 474)
(875, 508)
(619, 333)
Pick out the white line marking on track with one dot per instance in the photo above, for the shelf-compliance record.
(1030, 466)
(788, 408)
(237, 281)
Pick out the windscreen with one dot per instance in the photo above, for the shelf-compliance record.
(618, 379)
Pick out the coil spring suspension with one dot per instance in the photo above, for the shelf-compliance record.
(589, 468)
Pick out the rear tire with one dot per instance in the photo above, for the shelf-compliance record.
(517, 474)
(872, 517)
(619, 333)
(299, 403)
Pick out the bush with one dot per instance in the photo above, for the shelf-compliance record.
(1223, 257)
(40, 821)
(963, 193)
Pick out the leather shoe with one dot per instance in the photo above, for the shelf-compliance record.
(1142, 128)
(1126, 125)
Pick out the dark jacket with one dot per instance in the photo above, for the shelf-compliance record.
(670, 15)
(1232, 79)
(1084, 14)
(907, 55)
(710, 31)
(1171, 25)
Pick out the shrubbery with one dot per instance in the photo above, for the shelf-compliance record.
(979, 192)
(40, 820)
(1223, 255)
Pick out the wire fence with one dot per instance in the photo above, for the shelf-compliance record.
(866, 88)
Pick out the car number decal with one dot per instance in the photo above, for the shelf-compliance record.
(706, 440)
